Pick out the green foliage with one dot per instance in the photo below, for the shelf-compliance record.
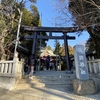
(63, 66)
(62, 50)
(34, 1)
(35, 16)
(48, 47)
(8, 1)
(57, 47)
(71, 51)
(9, 18)
(2, 25)
(30, 18)
(27, 17)
(89, 45)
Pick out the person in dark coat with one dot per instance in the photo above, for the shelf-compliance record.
(31, 64)
(47, 62)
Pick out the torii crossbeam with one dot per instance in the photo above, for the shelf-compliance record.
(63, 30)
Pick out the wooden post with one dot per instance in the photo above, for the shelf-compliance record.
(67, 55)
(34, 43)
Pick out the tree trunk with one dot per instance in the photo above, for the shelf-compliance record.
(2, 45)
(2, 53)
(96, 41)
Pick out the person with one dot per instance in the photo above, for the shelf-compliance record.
(44, 63)
(26, 68)
(48, 62)
(31, 64)
(51, 67)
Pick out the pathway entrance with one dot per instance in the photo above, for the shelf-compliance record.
(65, 37)
(46, 85)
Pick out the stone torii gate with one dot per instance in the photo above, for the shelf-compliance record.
(63, 30)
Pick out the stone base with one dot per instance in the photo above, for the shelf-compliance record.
(69, 72)
(84, 87)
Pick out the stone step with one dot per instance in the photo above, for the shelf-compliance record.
(46, 84)
(61, 85)
(51, 76)
(42, 83)
(56, 77)
(45, 80)
(45, 89)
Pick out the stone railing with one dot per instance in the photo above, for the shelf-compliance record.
(94, 66)
(94, 71)
(6, 68)
(10, 68)
(10, 73)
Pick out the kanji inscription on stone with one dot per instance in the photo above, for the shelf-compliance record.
(80, 63)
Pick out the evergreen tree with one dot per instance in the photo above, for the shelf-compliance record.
(9, 17)
(57, 47)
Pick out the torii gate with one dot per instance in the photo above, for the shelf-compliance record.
(63, 30)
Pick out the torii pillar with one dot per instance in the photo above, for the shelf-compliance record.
(69, 71)
(34, 43)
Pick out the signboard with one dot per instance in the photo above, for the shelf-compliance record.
(80, 63)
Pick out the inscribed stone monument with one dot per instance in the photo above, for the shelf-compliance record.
(80, 63)
(82, 85)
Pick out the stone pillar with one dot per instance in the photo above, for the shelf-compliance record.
(90, 68)
(82, 84)
(95, 67)
(15, 60)
(99, 66)
(80, 63)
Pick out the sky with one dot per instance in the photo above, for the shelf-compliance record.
(48, 14)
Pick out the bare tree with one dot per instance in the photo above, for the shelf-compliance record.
(85, 14)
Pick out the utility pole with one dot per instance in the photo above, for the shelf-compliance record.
(40, 48)
(40, 54)
(17, 38)
(57, 50)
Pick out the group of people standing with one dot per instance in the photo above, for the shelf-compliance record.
(46, 62)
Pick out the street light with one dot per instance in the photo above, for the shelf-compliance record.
(17, 38)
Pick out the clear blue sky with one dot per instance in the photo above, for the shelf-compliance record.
(47, 13)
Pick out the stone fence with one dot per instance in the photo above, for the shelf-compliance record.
(10, 73)
(94, 66)
(94, 71)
